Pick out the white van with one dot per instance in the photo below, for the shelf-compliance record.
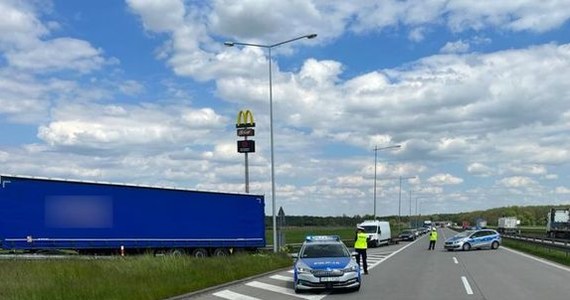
(378, 232)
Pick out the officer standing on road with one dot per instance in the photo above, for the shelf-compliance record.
(432, 239)
(360, 246)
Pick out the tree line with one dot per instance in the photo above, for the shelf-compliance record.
(528, 215)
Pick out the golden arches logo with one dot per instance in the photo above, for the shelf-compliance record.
(245, 119)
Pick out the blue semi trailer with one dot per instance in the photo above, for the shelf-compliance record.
(94, 217)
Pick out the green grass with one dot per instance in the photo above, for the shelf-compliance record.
(139, 277)
(556, 255)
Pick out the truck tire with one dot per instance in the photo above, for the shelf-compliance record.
(466, 247)
(200, 253)
(176, 252)
(221, 252)
(495, 245)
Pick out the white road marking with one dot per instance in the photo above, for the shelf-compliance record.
(282, 290)
(455, 260)
(291, 271)
(227, 294)
(282, 278)
(466, 285)
(370, 267)
(539, 259)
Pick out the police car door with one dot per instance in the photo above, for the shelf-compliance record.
(477, 239)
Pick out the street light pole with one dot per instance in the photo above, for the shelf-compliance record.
(268, 47)
(400, 201)
(376, 149)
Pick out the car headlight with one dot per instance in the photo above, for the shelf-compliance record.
(302, 268)
(351, 268)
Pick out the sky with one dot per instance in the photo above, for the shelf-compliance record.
(476, 93)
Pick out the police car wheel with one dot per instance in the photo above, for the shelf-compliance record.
(495, 245)
(466, 247)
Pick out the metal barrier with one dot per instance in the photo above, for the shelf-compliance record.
(558, 244)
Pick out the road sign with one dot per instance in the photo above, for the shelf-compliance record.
(245, 119)
(246, 132)
(246, 146)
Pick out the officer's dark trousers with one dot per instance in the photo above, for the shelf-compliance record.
(362, 252)
(431, 245)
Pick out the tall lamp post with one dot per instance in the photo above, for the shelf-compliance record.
(400, 200)
(269, 47)
(376, 149)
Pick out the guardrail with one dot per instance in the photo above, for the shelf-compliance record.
(558, 244)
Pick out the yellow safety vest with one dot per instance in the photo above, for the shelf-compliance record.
(433, 236)
(361, 241)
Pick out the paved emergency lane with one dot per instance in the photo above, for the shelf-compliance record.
(410, 271)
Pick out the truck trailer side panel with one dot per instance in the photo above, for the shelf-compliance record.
(44, 213)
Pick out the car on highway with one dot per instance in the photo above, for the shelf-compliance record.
(324, 262)
(474, 239)
(407, 235)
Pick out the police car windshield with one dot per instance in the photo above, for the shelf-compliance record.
(370, 229)
(324, 250)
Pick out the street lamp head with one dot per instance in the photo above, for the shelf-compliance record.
(229, 44)
(312, 36)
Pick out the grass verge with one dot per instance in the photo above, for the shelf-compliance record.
(555, 255)
(139, 277)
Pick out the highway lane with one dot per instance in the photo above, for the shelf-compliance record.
(410, 271)
(417, 273)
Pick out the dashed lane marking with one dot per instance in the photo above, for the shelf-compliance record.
(455, 260)
(466, 285)
(227, 294)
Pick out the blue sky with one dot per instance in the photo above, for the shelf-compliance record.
(145, 92)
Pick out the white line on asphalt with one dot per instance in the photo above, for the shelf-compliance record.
(282, 278)
(227, 294)
(392, 254)
(291, 271)
(282, 290)
(539, 259)
(466, 285)
(455, 260)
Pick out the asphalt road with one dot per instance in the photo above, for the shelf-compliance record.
(410, 271)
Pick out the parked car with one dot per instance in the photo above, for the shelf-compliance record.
(407, 235)
(474, 239)
(324, 262)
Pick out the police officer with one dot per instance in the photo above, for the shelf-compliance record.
(432, 238)
(360, 246)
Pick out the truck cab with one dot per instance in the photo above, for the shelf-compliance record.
(378, 232)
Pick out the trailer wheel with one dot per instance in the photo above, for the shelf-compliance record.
(466, 247)
(200, 253)
(221, 252)
(176, 252)
(495, 245)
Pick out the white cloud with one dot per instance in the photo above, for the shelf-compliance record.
(517, 182)
(107, 127)
(479, 169)
(562, 190)
(444, 179)
(455, 47)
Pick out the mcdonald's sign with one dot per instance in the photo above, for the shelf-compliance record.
(245, 119)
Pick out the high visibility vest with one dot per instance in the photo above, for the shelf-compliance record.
(361, 241)
(433, 236)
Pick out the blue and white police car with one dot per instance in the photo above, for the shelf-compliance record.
(324, 262)
(474, 239)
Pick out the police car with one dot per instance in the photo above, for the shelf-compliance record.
(324, 262)
(467, 240)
